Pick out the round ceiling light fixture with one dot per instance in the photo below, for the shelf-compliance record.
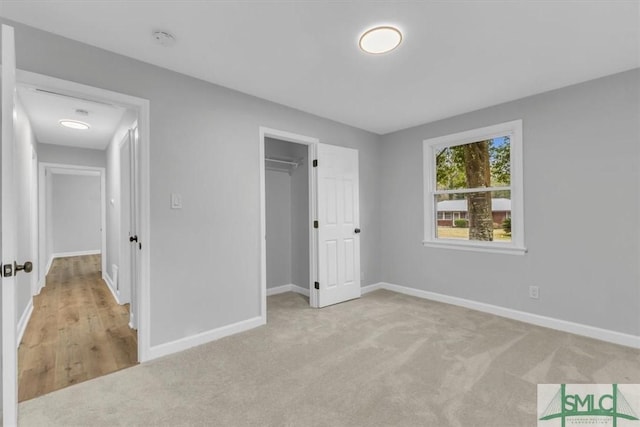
(381, 39)
(74, 124)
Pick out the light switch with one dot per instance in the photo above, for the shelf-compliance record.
(176, 201)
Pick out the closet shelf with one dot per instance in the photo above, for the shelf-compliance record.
(282, 165)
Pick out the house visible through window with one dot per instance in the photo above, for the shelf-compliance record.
(473, 189)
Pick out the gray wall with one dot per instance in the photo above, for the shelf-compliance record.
(204, 145)
(581, 149)
(76, 213)
(49, 153)
(278, 222)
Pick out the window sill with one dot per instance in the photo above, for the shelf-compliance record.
(496, 248)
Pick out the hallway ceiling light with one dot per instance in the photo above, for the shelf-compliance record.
(74, 124)
(381, 39)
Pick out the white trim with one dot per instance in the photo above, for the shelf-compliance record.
(279, 290)
(76, 253)
(24, 321)
(534, 319)
(300, 290)
(73, 170)
(287, 288)
(107, 279)
(49, 264)
(41, 284)
(42, 281)
(370, 288)
(265, 132)
(142, 106)
(203, 337)
(465, 245)
(514, 130)
(471, 190)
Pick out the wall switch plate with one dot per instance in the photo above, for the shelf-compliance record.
(534, 292)
(176, 201)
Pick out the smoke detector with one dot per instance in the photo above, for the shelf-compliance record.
(163, 38)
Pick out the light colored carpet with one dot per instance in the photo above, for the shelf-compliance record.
(383, 360)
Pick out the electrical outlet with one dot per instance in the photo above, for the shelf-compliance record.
(534, 292)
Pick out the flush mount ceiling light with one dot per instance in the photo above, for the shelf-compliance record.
(381, 39)
(74, 124)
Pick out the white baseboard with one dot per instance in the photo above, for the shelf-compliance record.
(287, 288)
(370, 288)
(278, 290)
(300, 290)
(76, 253)
(111, 286)
(41, 283)
(49, 264)
(522, 316)
(24, 320)
(204, 337)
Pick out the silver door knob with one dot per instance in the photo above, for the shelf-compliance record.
(27, 267)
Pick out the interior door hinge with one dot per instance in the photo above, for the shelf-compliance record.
(316, 285)
(315, 163)
(315, 224)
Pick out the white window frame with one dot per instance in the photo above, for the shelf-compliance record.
(513, 129)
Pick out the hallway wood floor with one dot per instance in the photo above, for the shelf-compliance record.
(77, 330)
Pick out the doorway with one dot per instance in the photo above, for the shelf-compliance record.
(79, 324)
(13, 221)
(279, 140)
(333, 220)
(287, 216)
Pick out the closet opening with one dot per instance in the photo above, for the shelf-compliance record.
(288, 217)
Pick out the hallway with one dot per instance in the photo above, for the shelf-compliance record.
(77, 330)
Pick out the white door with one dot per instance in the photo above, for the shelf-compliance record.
(123, 285)
(10, 220)
(130, 246)
(338, 225)
(133, 226)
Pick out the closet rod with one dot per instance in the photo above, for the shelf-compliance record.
(281, 161)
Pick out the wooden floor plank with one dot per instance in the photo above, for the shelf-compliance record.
(77, 330)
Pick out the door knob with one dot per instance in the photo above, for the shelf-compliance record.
(27, 267)
(357, 231)
(133, 238)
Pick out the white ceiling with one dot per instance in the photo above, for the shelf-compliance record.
(46, 109)
(457, 56)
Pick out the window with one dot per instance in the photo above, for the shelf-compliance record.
(473, 180)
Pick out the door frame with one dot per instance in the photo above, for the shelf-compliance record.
(142, 106)
(311, 144)
(45, 168)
